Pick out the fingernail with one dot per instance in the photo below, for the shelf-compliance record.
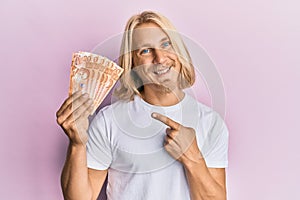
(154, 115)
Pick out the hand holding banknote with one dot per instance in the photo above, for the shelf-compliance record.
(92, 77)
(73, 117)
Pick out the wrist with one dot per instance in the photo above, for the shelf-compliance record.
(195, 161)
(77, 152)
(77, 146)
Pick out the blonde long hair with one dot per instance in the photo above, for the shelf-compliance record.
(129, 81)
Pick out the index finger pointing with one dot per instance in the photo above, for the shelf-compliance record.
(166, 120)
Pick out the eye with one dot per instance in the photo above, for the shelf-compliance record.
(145, 51)
(166, 44)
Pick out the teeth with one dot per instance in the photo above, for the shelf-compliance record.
(162, 71)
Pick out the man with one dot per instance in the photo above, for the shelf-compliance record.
(156, 142)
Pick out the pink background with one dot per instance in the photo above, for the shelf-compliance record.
(254, 44)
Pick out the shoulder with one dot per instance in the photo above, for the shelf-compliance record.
(102, 122)
(208, 118)
(108, 110)
(202, 110)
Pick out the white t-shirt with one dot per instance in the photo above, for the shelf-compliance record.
(126, 140)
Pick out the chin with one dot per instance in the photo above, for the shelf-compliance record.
(166, 87)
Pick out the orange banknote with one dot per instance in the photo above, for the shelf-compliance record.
(93, 74)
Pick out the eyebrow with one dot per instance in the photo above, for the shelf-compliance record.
(149, 45)
(165, 38)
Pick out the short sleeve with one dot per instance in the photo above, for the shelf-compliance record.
(99, 154)
(215, 148)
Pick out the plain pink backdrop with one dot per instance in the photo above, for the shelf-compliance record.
(254, 44)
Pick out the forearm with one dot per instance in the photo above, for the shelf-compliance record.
(74, 178)
(202, 185)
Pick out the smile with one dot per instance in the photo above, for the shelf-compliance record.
(162, 71)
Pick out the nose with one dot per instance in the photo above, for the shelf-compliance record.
(159, 56)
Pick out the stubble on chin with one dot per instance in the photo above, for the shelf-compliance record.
(166, 88)
(163, 89)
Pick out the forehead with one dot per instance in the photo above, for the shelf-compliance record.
(148, 34)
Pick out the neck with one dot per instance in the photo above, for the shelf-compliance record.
(161, 97)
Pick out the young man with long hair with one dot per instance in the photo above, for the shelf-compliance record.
(156, 142)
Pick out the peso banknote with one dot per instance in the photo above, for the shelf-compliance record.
(93, 74)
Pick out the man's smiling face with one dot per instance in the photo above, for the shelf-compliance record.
(154, 58)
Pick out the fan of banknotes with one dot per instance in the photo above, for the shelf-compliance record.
(93, 74)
